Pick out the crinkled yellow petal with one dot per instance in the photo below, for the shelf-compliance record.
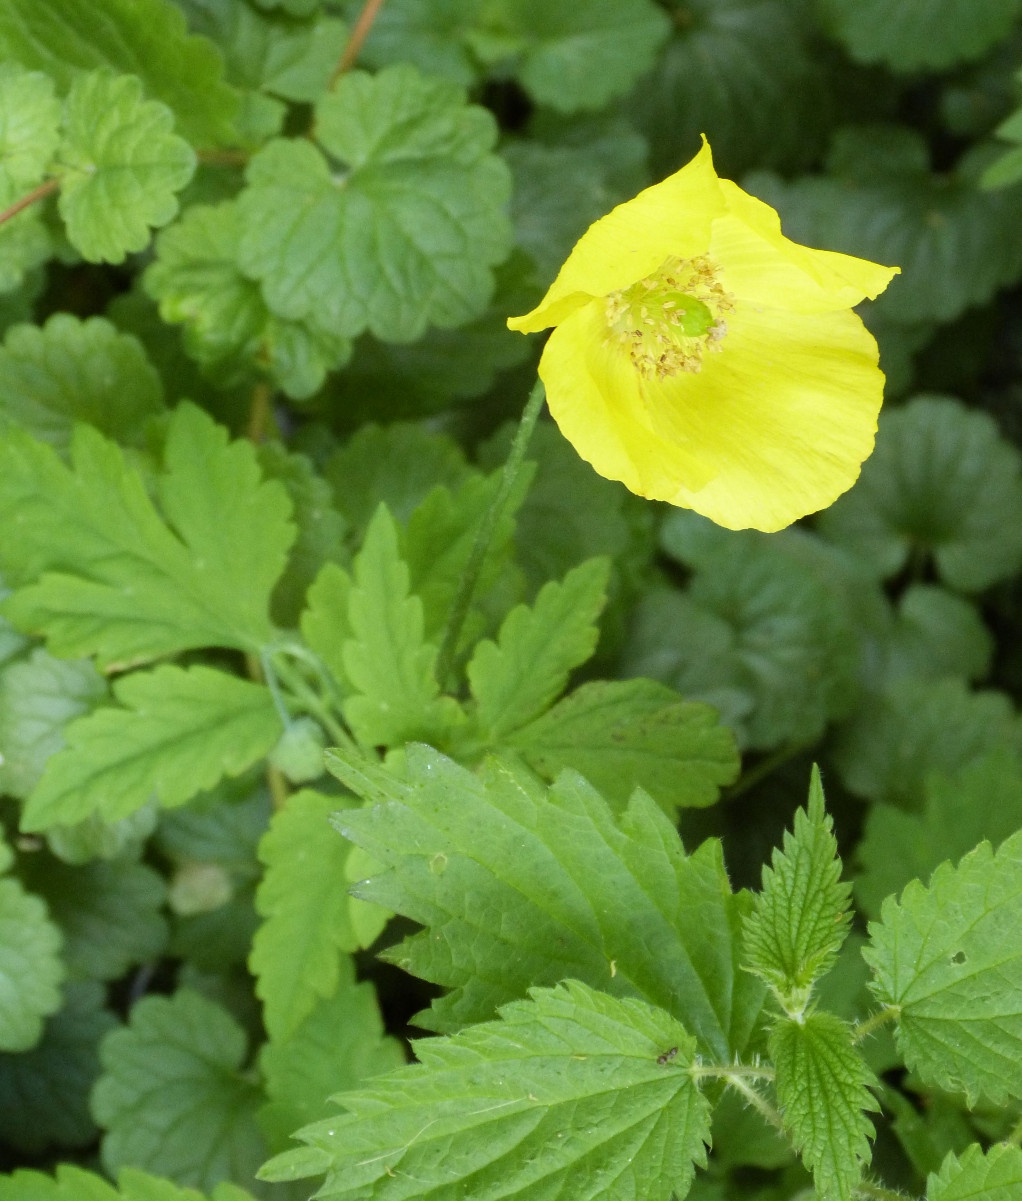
(775, 426)
(594, 394)
(763, 267)
(671, 218)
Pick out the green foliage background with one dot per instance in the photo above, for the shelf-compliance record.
(256, 391)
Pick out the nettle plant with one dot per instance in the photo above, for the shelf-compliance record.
(331, 703)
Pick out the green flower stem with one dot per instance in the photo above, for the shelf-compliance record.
(484, 534)
(277, 668)
(738, 1077)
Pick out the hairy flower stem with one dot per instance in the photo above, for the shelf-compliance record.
(883, 1017)
(484, 534)
(44, 189)
(738, 1077)
(357, 36)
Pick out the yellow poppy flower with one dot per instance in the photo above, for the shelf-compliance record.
(702, 358)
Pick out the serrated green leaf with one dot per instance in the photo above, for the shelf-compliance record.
(896, 740)
(918, 35)
(120, 166)
(993, 1175)
(109, 912)
(387, 660)
(147, 38)
(565, 1095)
(70, 370)
(297, 955)
(949, 957)
(324, 622)
(338, 1044)
(29, 125)
(115, 580)
(821, 1083)
(532, 885)
(30, 967)
(406, 236)
(628, 734)
(38, 696)
(942, 482)
(180, 731)
(44, 1093)
(173, 1098)
(515, 679)
(801, 917)
(228, 329)
(75, 1184)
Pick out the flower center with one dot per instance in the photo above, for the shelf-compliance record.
(669, 319)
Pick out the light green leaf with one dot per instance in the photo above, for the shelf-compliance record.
(75, 1184)
(515, 679)
(567, 1095)
(949, 957)
(29, 125)
(25, 244)
(993, 1175)
(324, 623)
(338, 1044)
(297, 954)
(44, 1093)
(228, 329)
(406, 235)
(38, 696)
(628, 734)
(531, 885)
(821, 1083)
(918, 35)
(173, 1098)
(120, 166)
(982, 799)
(109, 912)
(30, 967)
(387, 660)
(147, 38)
(180, 731)
(115, 580)
(942, 482)
(70, 370)
(801, 917)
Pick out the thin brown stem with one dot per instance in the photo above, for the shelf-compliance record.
(44, 189)
(259, 411)
(355, 39)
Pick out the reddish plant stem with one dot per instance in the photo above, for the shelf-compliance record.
(44, 189)
(358, 35)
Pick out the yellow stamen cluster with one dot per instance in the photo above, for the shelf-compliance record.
(669, 319)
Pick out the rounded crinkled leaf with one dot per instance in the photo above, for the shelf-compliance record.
(29, 124)
(30, 967)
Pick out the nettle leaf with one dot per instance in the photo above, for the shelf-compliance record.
(38, 697)
(173, 1098)
(44, 1092)
(515, 679)
(918, 35)
(956, 245)
(949, 957)
(180, 731)
(404, 236)
(120, 166)
(228, 329)
(68, 370)
(75, 1184)
(387, 660)
(982, 800)
(147, 38)
(942, 482)
(821, 1083)
(29, 125)
(887, 751)
(109, 913)
(570, 1094)
(338, 1044)
(800, 919)
(993, 1175)
(31, 969)
(531, 885)
(744, 73)
(297, 954)
(115, 580)
(628, 734)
